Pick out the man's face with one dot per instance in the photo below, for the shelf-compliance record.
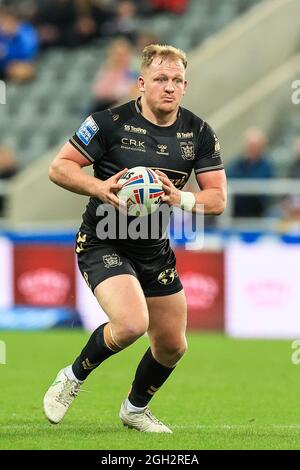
(163, 84)
(8, 24)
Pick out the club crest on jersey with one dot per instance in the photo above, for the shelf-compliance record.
(187, 150)
(87, 130)
(167, 276)
(111, 261)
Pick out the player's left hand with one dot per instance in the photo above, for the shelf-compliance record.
(172, 195)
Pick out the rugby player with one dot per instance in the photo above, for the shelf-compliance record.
(135, 281)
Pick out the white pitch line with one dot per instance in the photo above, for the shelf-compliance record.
(237, 426)
(74, 426)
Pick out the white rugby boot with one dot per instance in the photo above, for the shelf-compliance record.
(143, 421)
(59, 397)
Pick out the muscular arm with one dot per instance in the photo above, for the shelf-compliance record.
(213, 192)
(66, 171)
(212, 195)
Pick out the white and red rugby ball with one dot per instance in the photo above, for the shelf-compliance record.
(142, 191)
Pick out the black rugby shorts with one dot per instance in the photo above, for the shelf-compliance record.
(154, 267)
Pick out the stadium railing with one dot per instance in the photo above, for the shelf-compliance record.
(274, 188)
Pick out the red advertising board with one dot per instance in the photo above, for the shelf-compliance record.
(44, 275)
(202, 276)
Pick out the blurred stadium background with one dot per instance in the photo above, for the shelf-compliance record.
(66, 58)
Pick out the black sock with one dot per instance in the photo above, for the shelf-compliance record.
(149, 376)
(94, 352)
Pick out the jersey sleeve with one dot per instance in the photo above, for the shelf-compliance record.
(208, 155)
(89, 139)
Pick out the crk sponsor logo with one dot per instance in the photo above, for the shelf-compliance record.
(162, 149)
(133, 144)
(135, 130)
(187, 150)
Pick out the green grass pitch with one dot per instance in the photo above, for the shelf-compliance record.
(225, 394)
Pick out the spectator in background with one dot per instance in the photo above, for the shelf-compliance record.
(8, 169)
(18, 47)
(288, 214)
(26, 9)
(294, 170)
(85, 30)
(253, 163)
(124, 24)
(144, 39)
(92, 16)
(101, 11)
(70, 23)
(55, 20)
(116, 79)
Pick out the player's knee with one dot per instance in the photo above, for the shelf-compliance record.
(127, 333)
(183, 348)
(177, 350)
(171, 352)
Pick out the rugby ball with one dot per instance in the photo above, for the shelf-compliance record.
(142, 191)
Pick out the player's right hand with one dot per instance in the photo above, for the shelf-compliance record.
(108, 189)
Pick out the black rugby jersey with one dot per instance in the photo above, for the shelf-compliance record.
(121, 137)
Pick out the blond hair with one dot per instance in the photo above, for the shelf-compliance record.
(163, 51)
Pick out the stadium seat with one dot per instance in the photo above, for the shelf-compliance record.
(56, 102)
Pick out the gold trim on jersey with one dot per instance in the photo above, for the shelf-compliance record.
(81, 239)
